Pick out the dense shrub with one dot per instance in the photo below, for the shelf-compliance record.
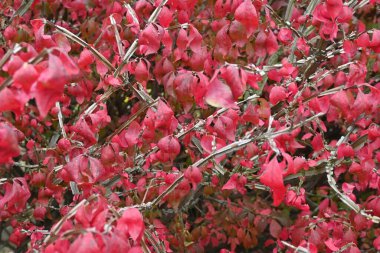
(189, 126)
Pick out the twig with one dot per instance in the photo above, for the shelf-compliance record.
(133, 13)
(23, 9)
(60, 120)
(16, 48)
(153, 242)
(298, 249)
(117, 36)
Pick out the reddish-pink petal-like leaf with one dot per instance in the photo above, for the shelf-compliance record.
(219, 94)
(247, 15)
(132, 224)
(132, 134)
(50, 85)
(25, 76)
(194, 175)
(85, 244)
(8, 143)
(273, 178)
(277, 94)
(231, 183)
(169, 144)
(13, 100)
(149, 40)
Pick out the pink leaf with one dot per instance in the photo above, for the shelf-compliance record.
(13, 100)
(223, 42)
(236, 79)
(25, 76)
(236, 182)
(277, 94)
(273, 178)
(330, 244)
(165, 17)
(8, 144)
(194, 175)
(149, 40)
(132, 224)
(132, 134)
(219, 94)
(247, 15)
(50, 85)
(274, 228)
(376, 243)
(85, 244)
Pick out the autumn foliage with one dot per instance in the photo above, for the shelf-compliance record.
(189, 126)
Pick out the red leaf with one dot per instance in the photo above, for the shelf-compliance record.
(210, 142)
(238, 33)
(285, 36)
(132, 224)
(247, 15)
(219, 94)
(14, 64)
(237, 182)
(221, 8)
(42, 40)
(274, 228)
(16, 195)
(142, 71)
(150, 40)
(50, 85)
(25, 76)
(136, 250)
(345, 150)
(225, 125)
(297, 199)
(223, 42)
(93, 214)
(84, 131)
(164, 117)
(273, 178)
(132, 134)
(8, 144)
(13, 100)
(85, 59)
(260, 47)
(231, 183)
(84, 169)
(376, 243)
(169, 144)
(271, 43)
(334, 8)
(194, 175)
(236, 79)
(277, 94)
(340, 100)
(330, 244)
(165, 17)
(85, 244)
